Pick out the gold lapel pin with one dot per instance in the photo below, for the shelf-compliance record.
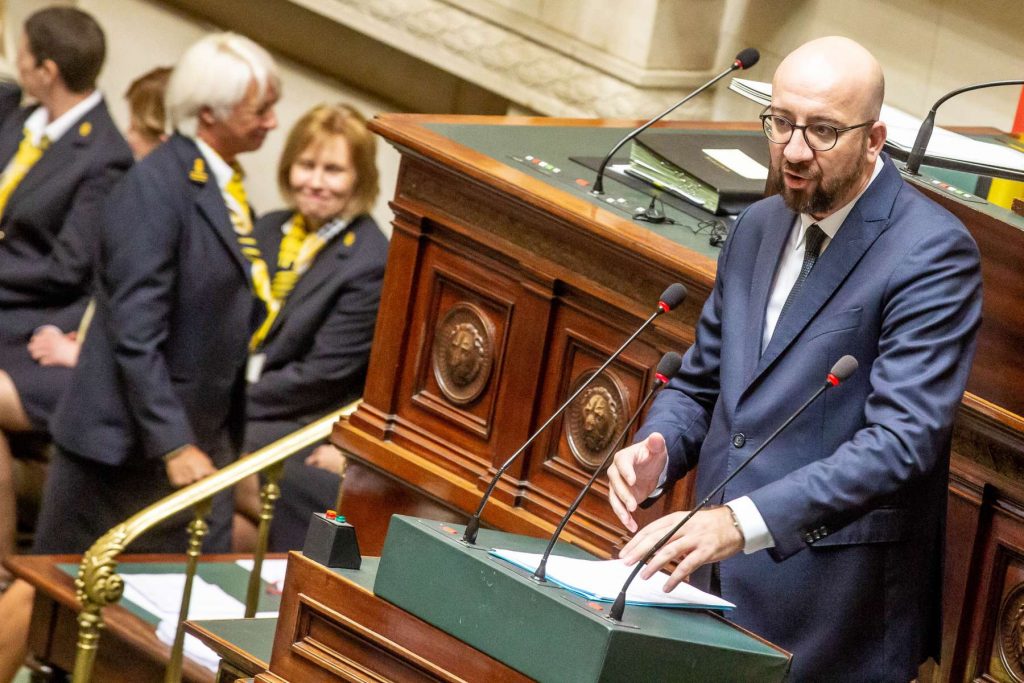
(198, 172)
(85, 129)
(349, 239)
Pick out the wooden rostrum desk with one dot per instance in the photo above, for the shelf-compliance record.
(537, 282)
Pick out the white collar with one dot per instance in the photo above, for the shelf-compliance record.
(830, 224)
(38, 123)
(222, 171)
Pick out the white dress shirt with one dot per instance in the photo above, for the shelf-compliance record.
(39, 124)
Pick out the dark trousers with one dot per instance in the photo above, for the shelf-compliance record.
(83, 499)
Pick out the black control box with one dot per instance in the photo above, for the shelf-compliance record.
(332, 542)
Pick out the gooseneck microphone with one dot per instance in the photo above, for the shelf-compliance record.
(746, 58)
(841, 371)
(667, 368)
(670, 299)
(924, 133)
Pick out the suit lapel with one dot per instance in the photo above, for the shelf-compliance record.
(856, 235)
(209, 199)
(212, 207)
(780, 223)
(64, 152)
(10, 136)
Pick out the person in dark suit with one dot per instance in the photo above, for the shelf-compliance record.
(841, 519)
(311, 357)
(157, 398)
(60, 158)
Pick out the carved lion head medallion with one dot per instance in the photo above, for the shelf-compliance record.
(463, 353)
(594, 419)
(1011, 633)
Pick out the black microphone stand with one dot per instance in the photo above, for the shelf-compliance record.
(743, 61)
(924, 133)
(473, 525)
(661, 379)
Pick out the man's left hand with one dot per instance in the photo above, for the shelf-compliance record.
(710, 536)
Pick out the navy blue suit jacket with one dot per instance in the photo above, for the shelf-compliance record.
(854, 491)
(50, 226)
(163, 363)
(319, 345)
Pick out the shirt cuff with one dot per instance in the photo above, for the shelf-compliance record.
(171, 455)
(660, 488)
(755, 532)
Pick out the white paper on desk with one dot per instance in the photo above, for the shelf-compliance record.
(194, 648)
(160, 594)
(602, 580)
(902, 133)
(272, 571)
(163, 593)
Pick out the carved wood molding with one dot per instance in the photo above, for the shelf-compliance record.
(487, 54)
(990, 437)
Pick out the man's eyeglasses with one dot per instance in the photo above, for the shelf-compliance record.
(820, 137)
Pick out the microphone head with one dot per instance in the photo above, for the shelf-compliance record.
(668, 366)
(672, 297)
(747, 58)
(841, 371)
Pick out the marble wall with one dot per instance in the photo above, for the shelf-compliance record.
(577, 58)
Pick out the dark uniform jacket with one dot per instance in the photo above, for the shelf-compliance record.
(319, 346)
(163, 363)
(50, 225)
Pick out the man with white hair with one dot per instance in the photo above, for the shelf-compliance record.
(830, 542)
(156, 401)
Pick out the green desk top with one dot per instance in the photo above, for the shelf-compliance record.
(555, 145)
(254, 636)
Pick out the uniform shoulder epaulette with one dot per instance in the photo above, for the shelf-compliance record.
(198, 172)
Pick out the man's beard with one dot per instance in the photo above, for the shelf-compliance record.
(822, 199)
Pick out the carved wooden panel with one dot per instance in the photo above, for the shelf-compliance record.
(331, 629)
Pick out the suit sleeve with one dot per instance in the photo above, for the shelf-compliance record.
(65, 274)
(10, 99)
(140, 253)
(335, 364)
(682, 410)
(931, 312)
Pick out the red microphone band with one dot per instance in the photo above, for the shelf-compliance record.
(661, 378)
(665, 308)
(832, 379)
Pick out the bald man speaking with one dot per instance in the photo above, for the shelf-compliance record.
(830, 542)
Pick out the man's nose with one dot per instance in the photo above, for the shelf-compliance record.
(796, 150)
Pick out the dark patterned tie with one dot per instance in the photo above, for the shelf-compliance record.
(812, 247)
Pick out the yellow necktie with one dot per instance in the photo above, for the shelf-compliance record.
(241, 221)
(287, 275)
(25, 158)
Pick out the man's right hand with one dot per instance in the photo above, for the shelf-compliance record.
(188, 466)
(634, 474)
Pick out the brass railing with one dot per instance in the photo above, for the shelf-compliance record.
(98, 583)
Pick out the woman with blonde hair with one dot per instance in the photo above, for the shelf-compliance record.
(310, 356)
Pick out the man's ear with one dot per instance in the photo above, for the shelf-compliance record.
(876, 139)
(206, 116)
(50, 71)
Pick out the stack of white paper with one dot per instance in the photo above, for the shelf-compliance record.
(902, 132)
(160, 595)
(602, 580)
